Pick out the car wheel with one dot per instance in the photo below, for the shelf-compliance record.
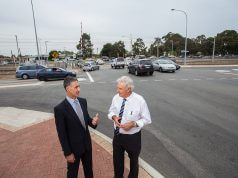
(123, 67)
(25, 76)
(111, 66)
(136, 73)
(160, 69)
(151, 73)
(173, 71)
(41, 78)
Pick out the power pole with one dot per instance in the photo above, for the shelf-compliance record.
(35, 31)
(18, 52)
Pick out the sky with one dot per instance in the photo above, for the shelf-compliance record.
(107, 21)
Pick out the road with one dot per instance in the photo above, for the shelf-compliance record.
(194, 113)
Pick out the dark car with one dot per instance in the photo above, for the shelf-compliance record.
(28, 71)
(141, 66)
(54, 73)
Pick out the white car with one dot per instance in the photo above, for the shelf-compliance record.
(118, 63)
(164, 66)
(100, 62)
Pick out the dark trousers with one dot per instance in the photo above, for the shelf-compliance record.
(86, 159)
(132, 145)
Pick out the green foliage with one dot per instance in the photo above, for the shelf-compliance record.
(139, 47)
(85, 46)
(114, 50)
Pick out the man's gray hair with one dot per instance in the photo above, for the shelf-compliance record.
(68, 80)
(127, 81)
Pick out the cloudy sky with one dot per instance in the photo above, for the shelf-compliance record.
(58, 21)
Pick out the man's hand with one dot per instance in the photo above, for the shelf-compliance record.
(70, 158)
(127, 126)
(116, 120)
(95, 120)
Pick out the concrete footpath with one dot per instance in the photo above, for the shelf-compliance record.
(29, 147)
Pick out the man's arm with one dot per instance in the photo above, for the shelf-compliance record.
(61, 130)
(89, 118)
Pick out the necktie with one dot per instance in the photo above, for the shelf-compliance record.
(120, 115)
(79, 113)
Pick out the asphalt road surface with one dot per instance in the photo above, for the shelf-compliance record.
(194, 113)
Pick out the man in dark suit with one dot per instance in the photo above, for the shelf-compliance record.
(72, 120)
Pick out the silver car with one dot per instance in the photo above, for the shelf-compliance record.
(90, 66)
(164, 65)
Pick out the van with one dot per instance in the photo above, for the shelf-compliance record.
(28, 71)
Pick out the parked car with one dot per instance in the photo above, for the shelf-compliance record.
(141, 66)
(53, 73)
(176, 65)
(90, 66)
(164, 65)
(100, 62)
(118, 63)
(28, 71)
(173, 61)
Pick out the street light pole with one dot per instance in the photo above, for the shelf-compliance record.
(46, 47)
(46, 52)
(35, 31)
(185, 52)
(172, 47)
(213, 52)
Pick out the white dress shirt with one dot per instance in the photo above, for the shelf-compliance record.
(135, 109)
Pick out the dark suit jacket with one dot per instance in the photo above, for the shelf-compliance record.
(72, 135)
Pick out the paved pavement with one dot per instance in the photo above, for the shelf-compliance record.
(30, 148)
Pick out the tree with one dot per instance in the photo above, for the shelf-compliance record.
(227, 42)
(85, 46)
(139, 47)
(118, 49)
(107, 50)
(177, 40)
(156, 47)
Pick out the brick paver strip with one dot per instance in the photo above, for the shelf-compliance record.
(35, 152)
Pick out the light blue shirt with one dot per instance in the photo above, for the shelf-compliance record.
(71, 101)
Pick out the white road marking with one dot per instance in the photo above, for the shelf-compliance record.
(235, 69)
(234, 74)
(22, 85)
(222, 71)
(90, 77)
(81, 79)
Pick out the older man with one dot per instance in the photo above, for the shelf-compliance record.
(72, 120)
(130, 113)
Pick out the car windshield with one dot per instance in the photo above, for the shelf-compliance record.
(86, 64)
(145, 62)
(164, 62)
(170, 62)
(120, 59)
